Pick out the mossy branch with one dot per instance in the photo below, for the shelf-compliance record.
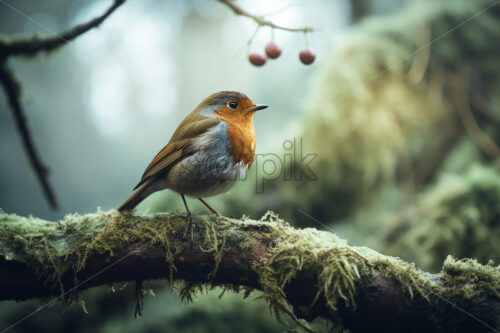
(314, 272)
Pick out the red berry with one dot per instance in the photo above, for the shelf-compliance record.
(257, 59)
(273, 51)
(307, 57)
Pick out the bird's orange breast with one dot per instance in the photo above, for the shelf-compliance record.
(241, 135)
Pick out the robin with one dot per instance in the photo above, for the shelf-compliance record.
(209, 152)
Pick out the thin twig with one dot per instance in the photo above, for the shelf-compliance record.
(469, 121)
(260, 20)
(483, 106)
(421, 60)
(478, 101)
(31, 46)
(139, 295)
(12, 91)
(476, 133)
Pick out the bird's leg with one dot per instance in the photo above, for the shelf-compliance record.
(208, 206)
(189, 219)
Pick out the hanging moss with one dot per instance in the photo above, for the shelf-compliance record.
(460, 216)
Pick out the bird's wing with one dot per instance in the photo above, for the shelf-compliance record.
(179, 147)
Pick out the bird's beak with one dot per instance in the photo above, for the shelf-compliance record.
(257, 107)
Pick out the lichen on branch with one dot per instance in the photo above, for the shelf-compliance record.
(304, 273)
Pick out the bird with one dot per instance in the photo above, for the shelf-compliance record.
(211, 150)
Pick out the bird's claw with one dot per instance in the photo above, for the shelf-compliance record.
(190, 226)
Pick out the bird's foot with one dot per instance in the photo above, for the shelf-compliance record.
(190, 226)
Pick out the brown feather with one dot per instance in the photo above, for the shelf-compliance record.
(180, 145)
(171, 154)
(135, 198)
(193, 125)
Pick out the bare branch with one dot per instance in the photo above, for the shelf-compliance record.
(31, 46)
(12, 91)
(260, 20)
(314, 272)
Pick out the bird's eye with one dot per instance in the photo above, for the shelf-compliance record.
(233, 105)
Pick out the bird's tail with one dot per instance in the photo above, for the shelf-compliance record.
(136, 197)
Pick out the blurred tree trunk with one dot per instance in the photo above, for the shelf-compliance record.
(360, 9)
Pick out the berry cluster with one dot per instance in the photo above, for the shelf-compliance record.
(273, 51)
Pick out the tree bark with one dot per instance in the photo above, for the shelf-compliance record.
(314, 272)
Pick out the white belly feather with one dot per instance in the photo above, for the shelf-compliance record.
(209, 171)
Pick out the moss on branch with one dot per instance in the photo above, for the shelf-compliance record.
(315, 272)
